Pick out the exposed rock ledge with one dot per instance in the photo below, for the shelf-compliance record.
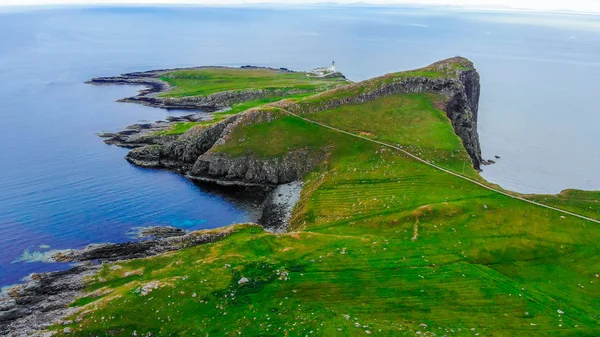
(40, 302)
(142, 134)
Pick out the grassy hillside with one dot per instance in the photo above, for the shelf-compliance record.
(381, 245)
(581, 202)
(182, 127)
(206, 81)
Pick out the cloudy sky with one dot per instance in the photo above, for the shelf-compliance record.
(589, 6)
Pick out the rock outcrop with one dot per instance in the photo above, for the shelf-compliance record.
(143, 134)
(135, 249)
(181, 154)
(252, 170)
(42, 301)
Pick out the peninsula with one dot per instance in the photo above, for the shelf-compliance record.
(377, 221)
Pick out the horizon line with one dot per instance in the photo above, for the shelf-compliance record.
(506, 6)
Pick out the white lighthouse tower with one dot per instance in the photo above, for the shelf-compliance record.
(332, 67)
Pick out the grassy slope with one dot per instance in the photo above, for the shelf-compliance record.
(182, 127)
(582, 202)
(206, 81)
(382, 244)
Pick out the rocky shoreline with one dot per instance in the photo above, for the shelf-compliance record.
(44, 299)
(142, 134)
(200, 107)
(155, 87)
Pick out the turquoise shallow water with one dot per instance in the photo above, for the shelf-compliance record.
(61, 187)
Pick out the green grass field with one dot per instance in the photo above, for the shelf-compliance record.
(206, 81)
(380, 244)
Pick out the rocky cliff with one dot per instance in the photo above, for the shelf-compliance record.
(191, 153)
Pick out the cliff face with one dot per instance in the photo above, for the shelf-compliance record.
(181, 154)
(249, 169)
(462, 110)
(191, 155)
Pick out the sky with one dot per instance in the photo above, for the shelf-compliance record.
(587, 6)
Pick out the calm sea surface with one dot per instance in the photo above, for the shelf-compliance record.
(61, 187)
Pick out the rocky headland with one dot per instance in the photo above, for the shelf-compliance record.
(45, 298)
(191, 153)
(200, 107)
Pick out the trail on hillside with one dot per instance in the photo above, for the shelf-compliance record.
(398, 148)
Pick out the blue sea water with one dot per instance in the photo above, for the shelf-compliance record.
(62, 187)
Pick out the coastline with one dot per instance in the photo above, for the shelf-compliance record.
(201, 107)
(44, 299)
(155, 86)
(279, 177)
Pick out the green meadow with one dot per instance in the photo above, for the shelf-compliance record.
(206, 81)
(379, 244)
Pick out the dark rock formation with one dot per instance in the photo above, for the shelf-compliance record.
(143, 134)
(107, 252)
(249, 169)
(159, 232)
(42, 301)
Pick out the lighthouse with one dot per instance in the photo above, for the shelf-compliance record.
(332, 67)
